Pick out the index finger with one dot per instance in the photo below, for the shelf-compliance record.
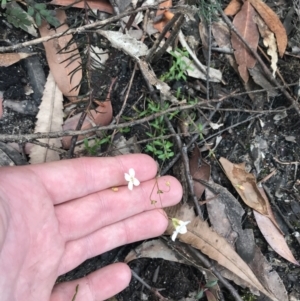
(69, 179)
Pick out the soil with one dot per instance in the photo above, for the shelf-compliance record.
(270, 141)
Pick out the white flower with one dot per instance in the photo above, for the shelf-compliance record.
(130, 177)
(180, 227)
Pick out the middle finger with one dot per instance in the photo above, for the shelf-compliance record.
(85, 215)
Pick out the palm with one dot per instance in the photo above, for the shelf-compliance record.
(57, 215)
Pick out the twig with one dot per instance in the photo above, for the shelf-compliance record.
(49, 146)
(152, 289)
(58, 134)
(20, 138)
(208, 57)
(170, 39)
(88, 104)
(189, 179)
(196, 136)
(151, 52)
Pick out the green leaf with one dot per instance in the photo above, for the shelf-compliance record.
(211, 283)
(3, 4)
(149, 148)
(199, 295)
(53, 21)
(45, 13)
(38, 19)
(30, 11)
(104, 140)
(40, 6)
(158, 142)
(149, 134)
(86, 143)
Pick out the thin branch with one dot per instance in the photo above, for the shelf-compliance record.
(80, 29)
(170, 40)
(151, 52)
(189, 179)
(196, 136)
(152, 289)
(29, 137)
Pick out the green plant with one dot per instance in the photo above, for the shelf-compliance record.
(161, 148)
(40, 12)
(93, 149)
(36, 12)
(247, 296)
(179, 66)
(208, 10)
(206, 289)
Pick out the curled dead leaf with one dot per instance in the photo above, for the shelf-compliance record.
(164, 16)
(245, 184)
(63, 58)
(273, 22)
(233, 7)
(269, 41)
(102, 115)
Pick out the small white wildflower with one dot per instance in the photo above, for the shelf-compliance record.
(130, 177)
(180, 227)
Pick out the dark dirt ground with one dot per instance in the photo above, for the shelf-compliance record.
(278, 140)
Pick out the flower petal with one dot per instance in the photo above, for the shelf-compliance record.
(127, 177)
(174, 235)
(130, 185)
(132, 172)
(182, 229)
(136, 182)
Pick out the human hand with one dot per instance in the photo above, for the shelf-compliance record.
(54, 216)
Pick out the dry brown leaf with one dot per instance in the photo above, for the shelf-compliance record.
(199, 169)
(268, 276)
(245, 25)
(203, 32)
(164, 19)
(273, 23)
(269, 41)
(225, 214)
(49, 119)
(204, 238)
(63, 63)
(222, 36)
(101, 5)
(245, 185)
(274, 238)
(8, 59)
(272, 235)
(233, 7)
(102, 115)
(259, 78)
